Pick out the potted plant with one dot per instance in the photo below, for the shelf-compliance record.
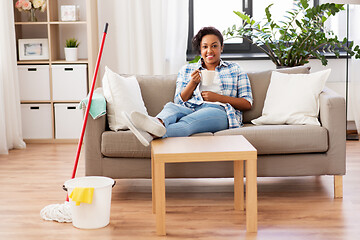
(71, 49)
(302, 35)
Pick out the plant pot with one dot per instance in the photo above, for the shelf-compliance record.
(71, 54)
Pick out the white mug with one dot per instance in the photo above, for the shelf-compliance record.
(207, 77)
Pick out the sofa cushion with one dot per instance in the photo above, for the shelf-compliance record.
(157, 90)
(124, 144)
(121, 94)
(293, 99)
(259, 84)
(283, 139)
(267, 139)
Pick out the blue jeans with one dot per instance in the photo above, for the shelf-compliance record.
(181, 121)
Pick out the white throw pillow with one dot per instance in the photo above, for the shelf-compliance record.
(293, 98)
(121, 94)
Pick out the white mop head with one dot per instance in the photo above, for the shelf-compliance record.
(57, 212)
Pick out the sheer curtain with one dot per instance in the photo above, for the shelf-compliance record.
(10, 118)
(144, 36)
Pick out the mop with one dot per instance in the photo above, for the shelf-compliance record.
(61, 212)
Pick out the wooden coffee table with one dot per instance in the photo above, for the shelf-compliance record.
(206, 149)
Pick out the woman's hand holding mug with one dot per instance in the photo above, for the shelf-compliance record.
(196, 77)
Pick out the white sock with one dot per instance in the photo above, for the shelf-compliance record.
(147, 123)
(144, 137)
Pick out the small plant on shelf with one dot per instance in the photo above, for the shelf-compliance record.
(71, 47)
(72, 43)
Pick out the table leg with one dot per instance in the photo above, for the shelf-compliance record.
(153, 184)
(160, 197)
(239, 185)
(251, 195)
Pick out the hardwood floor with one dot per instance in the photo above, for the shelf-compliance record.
(288, 208)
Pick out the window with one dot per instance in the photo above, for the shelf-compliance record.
(205, 12)
(220, 14)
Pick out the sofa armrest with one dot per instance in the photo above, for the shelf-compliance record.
(333, 118)
(92, 144)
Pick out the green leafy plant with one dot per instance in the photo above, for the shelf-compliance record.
(302, 35)
(195, 60)
(72, 43)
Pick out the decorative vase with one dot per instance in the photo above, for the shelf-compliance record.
(32, 17)
(71, 54)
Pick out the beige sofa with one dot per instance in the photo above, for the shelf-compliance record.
(283, 150)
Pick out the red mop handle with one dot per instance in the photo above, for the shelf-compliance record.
(89, 102)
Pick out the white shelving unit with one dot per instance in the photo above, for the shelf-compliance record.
(50, 26)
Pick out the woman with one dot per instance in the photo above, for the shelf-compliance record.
(198, 108)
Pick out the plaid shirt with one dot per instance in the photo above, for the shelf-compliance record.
(234, 83)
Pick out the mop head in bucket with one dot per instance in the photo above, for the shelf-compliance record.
(57, 212)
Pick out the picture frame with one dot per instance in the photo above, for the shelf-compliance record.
(34, 49)
(69, 13)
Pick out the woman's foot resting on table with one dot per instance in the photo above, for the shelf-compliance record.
(144, 137)
(148, 124)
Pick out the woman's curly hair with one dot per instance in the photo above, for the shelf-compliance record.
(202, 32)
